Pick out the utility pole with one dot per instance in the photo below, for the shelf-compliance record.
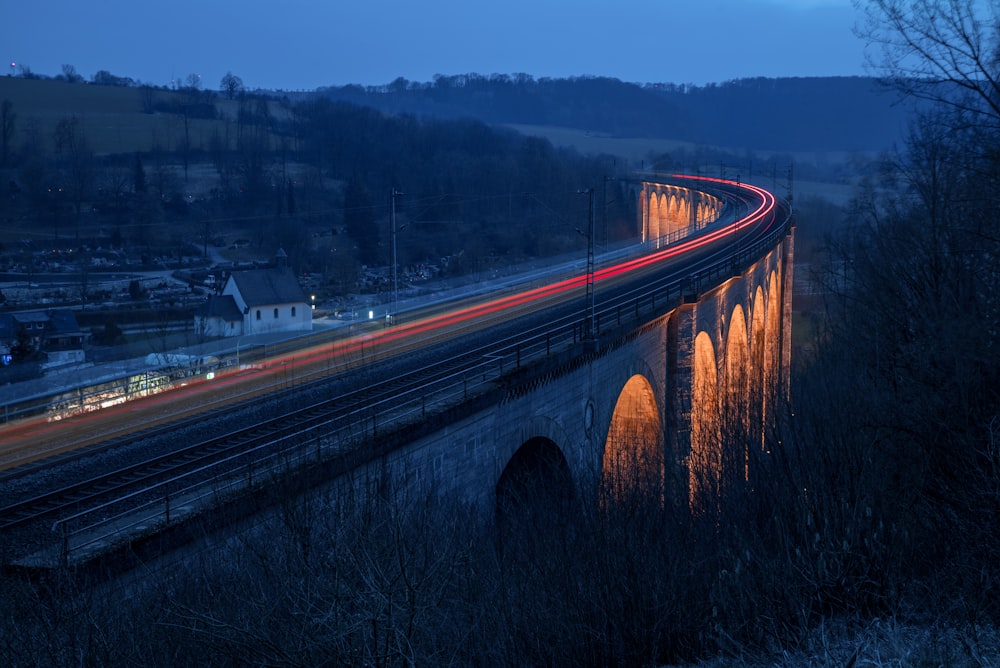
(736, 259)
(395, 278)
(604, 236)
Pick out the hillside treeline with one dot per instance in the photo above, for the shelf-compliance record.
(787, 114)
(280, 173)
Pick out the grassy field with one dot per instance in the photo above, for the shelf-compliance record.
(112, 117)
(640, 151)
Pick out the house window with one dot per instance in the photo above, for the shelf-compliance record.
(293, 311)
(276, 314)
(258, 314)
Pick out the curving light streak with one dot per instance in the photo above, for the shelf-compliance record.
(288, 362)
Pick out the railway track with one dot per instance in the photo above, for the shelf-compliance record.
(96, 510)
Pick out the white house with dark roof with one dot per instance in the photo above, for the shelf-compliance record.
(258, 301)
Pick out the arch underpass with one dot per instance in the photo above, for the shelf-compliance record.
(535, 483)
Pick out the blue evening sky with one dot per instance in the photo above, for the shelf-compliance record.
(303, 44)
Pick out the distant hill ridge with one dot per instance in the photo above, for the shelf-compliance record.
(822, 114)
(785, 114)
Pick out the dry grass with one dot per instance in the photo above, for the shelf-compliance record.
(112, 117)
(881, 643)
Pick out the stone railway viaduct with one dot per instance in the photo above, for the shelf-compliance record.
(644, 409)
(679, 365)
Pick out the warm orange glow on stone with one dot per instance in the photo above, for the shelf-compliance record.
(669, 210)
(633, 454)
(654, 216)
(737, 402)
(758, 374)
(705, 461)
(772, 330)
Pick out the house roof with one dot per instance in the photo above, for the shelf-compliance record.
(25, 317)
(57, 322)
(262, 287)
(223, 307)
(62, 322)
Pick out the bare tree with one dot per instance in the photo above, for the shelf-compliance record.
(231, 85)
(945, 51)
(7, 124)
(70, 74)
(78, 159)
(147, 97)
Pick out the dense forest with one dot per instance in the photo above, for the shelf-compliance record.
(790, 114)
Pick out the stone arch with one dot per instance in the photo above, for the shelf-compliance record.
(772, 334)
(654, 215)
(706, 211)
(736, 402)
(705, 460)
(633, 461)
(737, 360)
(673, 210)
(758, 342)
(684, 216)
(535, 483)
(758, 378)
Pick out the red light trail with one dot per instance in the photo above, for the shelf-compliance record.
(336, 355)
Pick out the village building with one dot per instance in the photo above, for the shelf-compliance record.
(54, 334)
(257, 301)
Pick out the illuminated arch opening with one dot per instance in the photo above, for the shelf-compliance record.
(736, 405)
(654, 216)
(758, 348)
(673, 211)
(772, 333)
(705, 461)
(633, 462)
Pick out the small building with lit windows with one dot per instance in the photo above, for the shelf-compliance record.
(53, 334)
(257, 301)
